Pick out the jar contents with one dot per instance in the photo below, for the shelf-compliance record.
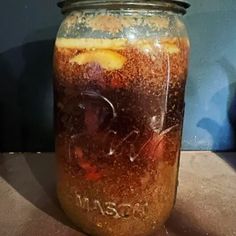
(119, 119)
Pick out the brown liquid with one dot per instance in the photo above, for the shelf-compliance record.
(119, 114)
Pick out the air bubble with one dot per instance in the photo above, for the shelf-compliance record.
(99, 225)
(111, 152)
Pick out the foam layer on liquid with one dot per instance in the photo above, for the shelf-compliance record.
(170, 45)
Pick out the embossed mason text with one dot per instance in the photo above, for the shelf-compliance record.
(111, 209)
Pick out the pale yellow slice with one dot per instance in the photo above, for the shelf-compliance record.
(107, 59)
(171, 48)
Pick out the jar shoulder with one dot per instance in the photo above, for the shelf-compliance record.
(122, 24)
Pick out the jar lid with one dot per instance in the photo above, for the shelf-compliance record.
(178, 6)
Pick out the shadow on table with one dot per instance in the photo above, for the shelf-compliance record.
(29, 174)
(43, 169)
(228, 158)
(182, 224)
(33, 177)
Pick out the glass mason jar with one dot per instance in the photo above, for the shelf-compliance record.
(120, 73)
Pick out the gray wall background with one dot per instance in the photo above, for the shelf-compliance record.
(28, 29)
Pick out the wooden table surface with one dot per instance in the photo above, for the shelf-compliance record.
(206, 200)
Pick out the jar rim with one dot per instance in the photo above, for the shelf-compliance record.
(177, 6)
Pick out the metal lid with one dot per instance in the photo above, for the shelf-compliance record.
(178, 6)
